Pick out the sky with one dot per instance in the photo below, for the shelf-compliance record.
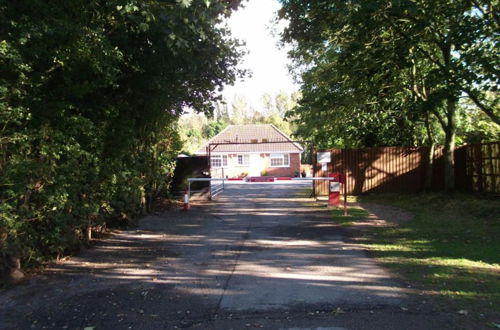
(267, 62)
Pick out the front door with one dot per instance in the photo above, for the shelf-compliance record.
(255, 165)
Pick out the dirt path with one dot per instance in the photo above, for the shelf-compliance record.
(260, 256)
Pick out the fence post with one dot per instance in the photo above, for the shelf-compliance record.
(210, 190)
(186, 201)
(345, 195)
(314, 158)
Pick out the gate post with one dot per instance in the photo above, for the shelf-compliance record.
(186, 200)
(314, 164)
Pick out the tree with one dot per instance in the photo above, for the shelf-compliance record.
(267, 104)
(213, 128)
(399, 63)
(474, 125)
(197, 129)
(240, 110)
(283, 103)
(221, 110)
(90, 95)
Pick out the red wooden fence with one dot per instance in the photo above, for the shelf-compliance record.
(403, 169)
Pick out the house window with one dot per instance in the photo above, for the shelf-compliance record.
(218, 161)
(243, 160)
(254, 141)
(280, 160)
(265, 140)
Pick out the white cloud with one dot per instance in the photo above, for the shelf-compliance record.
(267, 62)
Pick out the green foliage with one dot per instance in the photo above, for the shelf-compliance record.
(377, 72)
(196, 129)
(213, 128)
(190, 128)
(90, 93)
(474, 126)
(450, 247)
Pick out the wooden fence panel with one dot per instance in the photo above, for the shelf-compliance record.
(189, 167)
(377, 169)
(483, 167)
(403, 169)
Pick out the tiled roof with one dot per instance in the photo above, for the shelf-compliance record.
(264, 138)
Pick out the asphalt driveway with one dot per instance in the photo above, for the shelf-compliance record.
(258, 256)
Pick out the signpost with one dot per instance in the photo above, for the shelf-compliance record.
(336, 179)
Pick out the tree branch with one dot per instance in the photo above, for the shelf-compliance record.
(488, 111)
(439, 118)
(491, 12)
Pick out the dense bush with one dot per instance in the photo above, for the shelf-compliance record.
(90, 92)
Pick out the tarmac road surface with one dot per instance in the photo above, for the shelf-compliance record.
(258, 256)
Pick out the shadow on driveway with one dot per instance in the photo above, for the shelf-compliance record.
(257, 251)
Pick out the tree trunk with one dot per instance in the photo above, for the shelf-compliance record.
(429, 169)
(449, 147)
(89, 232)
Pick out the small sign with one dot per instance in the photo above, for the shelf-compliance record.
(334, 186)
(324, 166)
(324, 157)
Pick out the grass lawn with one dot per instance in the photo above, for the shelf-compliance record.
(353, 214)
(451, 248)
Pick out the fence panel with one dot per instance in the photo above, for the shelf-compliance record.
(403, 169)
(189, 167)
(384, 169)
(483, 167)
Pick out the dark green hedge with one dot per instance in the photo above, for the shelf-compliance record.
(90, 93)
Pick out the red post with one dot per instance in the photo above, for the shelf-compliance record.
(186, 201)
(334, 189)
(344, 182)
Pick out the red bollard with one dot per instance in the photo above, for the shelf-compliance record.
(186, 201)
(334, 189)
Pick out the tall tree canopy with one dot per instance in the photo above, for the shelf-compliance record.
(196, 129)
(90, 92)
(381, 72)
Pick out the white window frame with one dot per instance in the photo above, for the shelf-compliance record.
(284, 158)
(220, 158)
(245, 160)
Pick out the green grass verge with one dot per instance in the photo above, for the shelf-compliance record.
(450, 249)
(354, 214)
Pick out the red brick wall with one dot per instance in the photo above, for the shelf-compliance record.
(286, 171)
